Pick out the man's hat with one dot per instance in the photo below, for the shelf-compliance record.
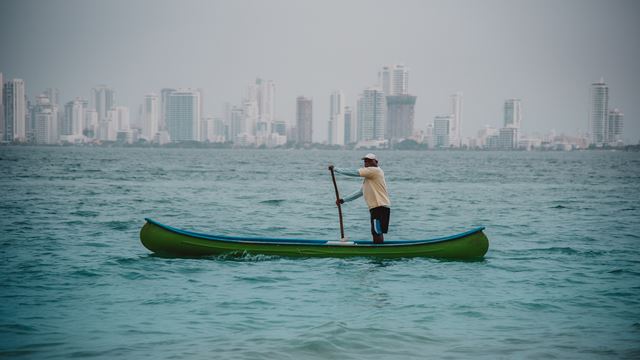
(370, 156)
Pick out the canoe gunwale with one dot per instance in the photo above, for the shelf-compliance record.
(304, 242)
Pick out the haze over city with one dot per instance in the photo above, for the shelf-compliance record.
(545, 53)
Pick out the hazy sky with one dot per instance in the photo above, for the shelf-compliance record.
(545, 52)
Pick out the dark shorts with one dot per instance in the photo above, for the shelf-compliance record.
(380, 220)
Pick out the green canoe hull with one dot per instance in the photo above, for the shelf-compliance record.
(165, 240)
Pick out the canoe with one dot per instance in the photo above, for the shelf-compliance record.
(166, 240)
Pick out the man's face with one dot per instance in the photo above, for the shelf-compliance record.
(369, 162)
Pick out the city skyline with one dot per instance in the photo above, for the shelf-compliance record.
(382, 121)
(548, 61)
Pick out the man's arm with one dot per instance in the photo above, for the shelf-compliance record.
(347, 172)
(352, 196)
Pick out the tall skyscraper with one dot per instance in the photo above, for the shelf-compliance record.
(183, 115)
(91, 123)
(15, 111)
(46, 131)
(121, 118)
(456, 120)
(337, 104)
(400, 116)
(599, 112)
(266, 100)
(150, 116)
(371, 114)
(260, 97)
(164, 102)
(394, 79)
(304, 120)
(237, 123)
(103, 99)
(1, 107)
(74, 117)
(349, 126)
(615, 126)
(512, 113)
(441, 128)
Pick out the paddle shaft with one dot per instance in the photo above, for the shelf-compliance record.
(335, 186)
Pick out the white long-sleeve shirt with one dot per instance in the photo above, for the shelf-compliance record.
(374, 188)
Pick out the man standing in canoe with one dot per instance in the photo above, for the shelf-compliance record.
(374, 189)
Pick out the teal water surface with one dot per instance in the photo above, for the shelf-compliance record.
(560, 280)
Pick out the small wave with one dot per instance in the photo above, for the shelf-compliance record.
(85, 213)
(118, 225)
(83, 273)
(272, 202)
(559, 207)
(17, 328)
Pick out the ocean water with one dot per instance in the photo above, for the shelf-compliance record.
(561, 278)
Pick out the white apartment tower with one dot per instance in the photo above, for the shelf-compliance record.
(15, 111)
(336, 129)
(455, 136)
(164, 101)
(74, 117)
(615, 126)
(598, 112)
(371, 114)
(260, 106)
(1, 107)
(46, 115)
(394, 79)
(150, 116)
(183, 115)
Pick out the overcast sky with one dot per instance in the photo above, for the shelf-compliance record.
(545, 52)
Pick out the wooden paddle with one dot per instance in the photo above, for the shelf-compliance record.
(335, 186)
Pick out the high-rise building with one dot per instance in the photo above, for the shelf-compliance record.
(74, 117)
(1, 107)
(400, 116)
(183, 115)
(150, 116)
(512, 113)
(121, 118)
(103, 99)
(46, 118)
(164, 102)
(219, 130)
(259, 105)
(237, 124)
(441, 128)
(371, 114)
(91, 123)
(15, 111)
(206, 130)
(304, 120)
(615, 126)
(337, 103)
(599, 112)
(456, 120)
(394, 79)
(508, 138)
(266, 100)
(349, 126)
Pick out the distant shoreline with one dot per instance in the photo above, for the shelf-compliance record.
(229, 146)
